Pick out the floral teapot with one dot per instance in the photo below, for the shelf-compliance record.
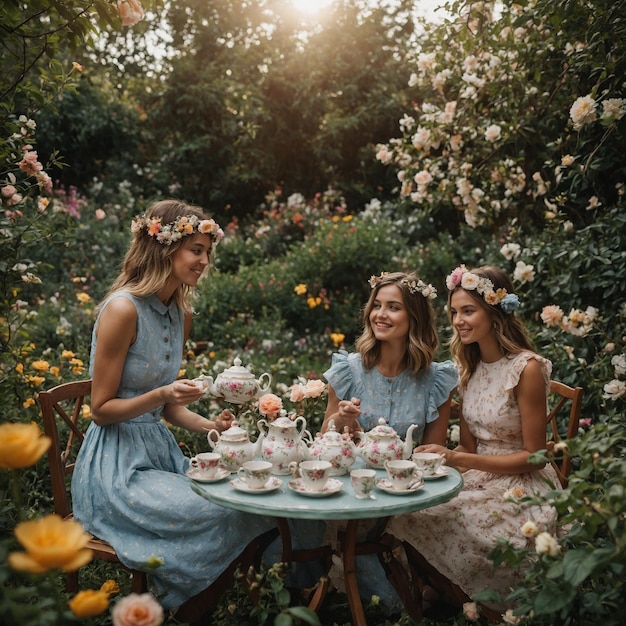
(382, 443)
(237, 385)
(282, 441)
(334, 447)
(235, 446)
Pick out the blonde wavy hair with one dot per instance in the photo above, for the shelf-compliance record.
(509, 331)
(147, 264)
(422, 342)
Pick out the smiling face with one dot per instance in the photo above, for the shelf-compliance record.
(191, 259)
(472, 322)
(388, 317)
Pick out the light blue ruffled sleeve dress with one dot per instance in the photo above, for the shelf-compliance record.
(401, 400)
(129, 486)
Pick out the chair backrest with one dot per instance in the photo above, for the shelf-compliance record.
(562, 396)
(62, 410)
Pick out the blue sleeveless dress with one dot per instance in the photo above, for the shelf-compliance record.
(129, 485)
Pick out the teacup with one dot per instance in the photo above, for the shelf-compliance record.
(314, 474)
(402, 473)
(255, 473)
(362, 481)
(428, 462)
(206, 463)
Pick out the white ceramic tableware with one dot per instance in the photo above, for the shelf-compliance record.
(313, 474)
(255, 474)
(206, 464)
(402, 473)
(362, 481)
(428, 462)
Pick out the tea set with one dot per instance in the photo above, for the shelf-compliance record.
(285, 448)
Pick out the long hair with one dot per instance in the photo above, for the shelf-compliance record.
(509, 332)
(422, 340)
(147, 264)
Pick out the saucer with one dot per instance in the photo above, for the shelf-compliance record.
(385, 485)
(440, 473)
(332, 486)
(272, 484)
(194, 474)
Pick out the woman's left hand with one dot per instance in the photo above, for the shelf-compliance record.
(224, 420)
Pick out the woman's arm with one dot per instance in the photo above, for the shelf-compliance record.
(436, 432)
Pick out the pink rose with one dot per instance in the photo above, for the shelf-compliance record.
(551, 315)
(314, 388)
(270, 405)
(137, 610)
(9, 191)
(297, 393)
(100, 214)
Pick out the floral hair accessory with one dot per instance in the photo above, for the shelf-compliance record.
(183, 225)
(414, 286)
(462, 277)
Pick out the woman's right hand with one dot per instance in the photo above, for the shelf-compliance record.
(349, 412)
(182, 392)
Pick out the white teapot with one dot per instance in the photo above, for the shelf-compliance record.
(237, 384)
(235, 446)
(334, 447)
(382, 443)
(283, 442)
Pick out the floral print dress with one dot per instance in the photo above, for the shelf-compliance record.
(457, 537)
(129, 486)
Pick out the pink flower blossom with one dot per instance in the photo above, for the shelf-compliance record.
(9, 191)
(551, 315)
(270, 405)
(130, 11)
(137, 610)
(314, 388)
(297, 393)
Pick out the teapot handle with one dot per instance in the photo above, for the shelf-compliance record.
(213, 443)
(262, 426)
(263, 389)
(302, 421)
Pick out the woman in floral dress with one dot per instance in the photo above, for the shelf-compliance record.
(503, 390)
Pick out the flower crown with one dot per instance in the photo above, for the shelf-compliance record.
(462, 277)
(183, 225)
(414, 286)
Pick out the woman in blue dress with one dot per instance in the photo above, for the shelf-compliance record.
(129, 486)
(392, 375)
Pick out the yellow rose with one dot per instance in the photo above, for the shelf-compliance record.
(300, 289)
(19, 368)
(28, 402)
(40, 366)
(50, 542)
(86, 411)
(83, 297)
(110, 587)
(21, 445)
(337, 338)
(67, 354)
(89, 603)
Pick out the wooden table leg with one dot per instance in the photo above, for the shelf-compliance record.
(349, 574)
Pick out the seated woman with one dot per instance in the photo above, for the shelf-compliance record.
(503, 389)
(129, 485)
(392, 375)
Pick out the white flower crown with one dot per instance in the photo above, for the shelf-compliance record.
(183, 225)
(414, 286)
(462, 277)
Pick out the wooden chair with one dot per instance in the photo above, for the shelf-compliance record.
(62, 408)
(561, 396)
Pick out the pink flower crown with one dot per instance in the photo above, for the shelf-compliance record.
(414, 286)
(182, 226)
(462, 277)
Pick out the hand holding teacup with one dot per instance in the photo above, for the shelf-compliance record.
(428, 462)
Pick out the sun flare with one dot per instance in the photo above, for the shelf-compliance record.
(310, 6)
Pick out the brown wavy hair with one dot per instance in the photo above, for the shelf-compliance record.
(422, 340)
(508, 329)
(147, 264)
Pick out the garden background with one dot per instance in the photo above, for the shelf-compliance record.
(366, 139)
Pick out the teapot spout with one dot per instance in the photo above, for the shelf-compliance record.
(408, 444)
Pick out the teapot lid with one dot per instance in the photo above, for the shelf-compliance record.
(235, 433)
(237, 371)
(283, 421)
(383, 429)
(331, 436)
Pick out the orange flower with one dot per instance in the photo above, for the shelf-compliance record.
(50, 542)
(21, 445)
(89, 603)
(270, 405)
(40, 365)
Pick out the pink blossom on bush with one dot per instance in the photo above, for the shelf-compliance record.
(297, 393)
(137, 610)
(130, 11)
(314, 388)
(270, 405)
(551, 315)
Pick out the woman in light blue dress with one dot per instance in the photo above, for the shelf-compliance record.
(392, 376)
(129, 486)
